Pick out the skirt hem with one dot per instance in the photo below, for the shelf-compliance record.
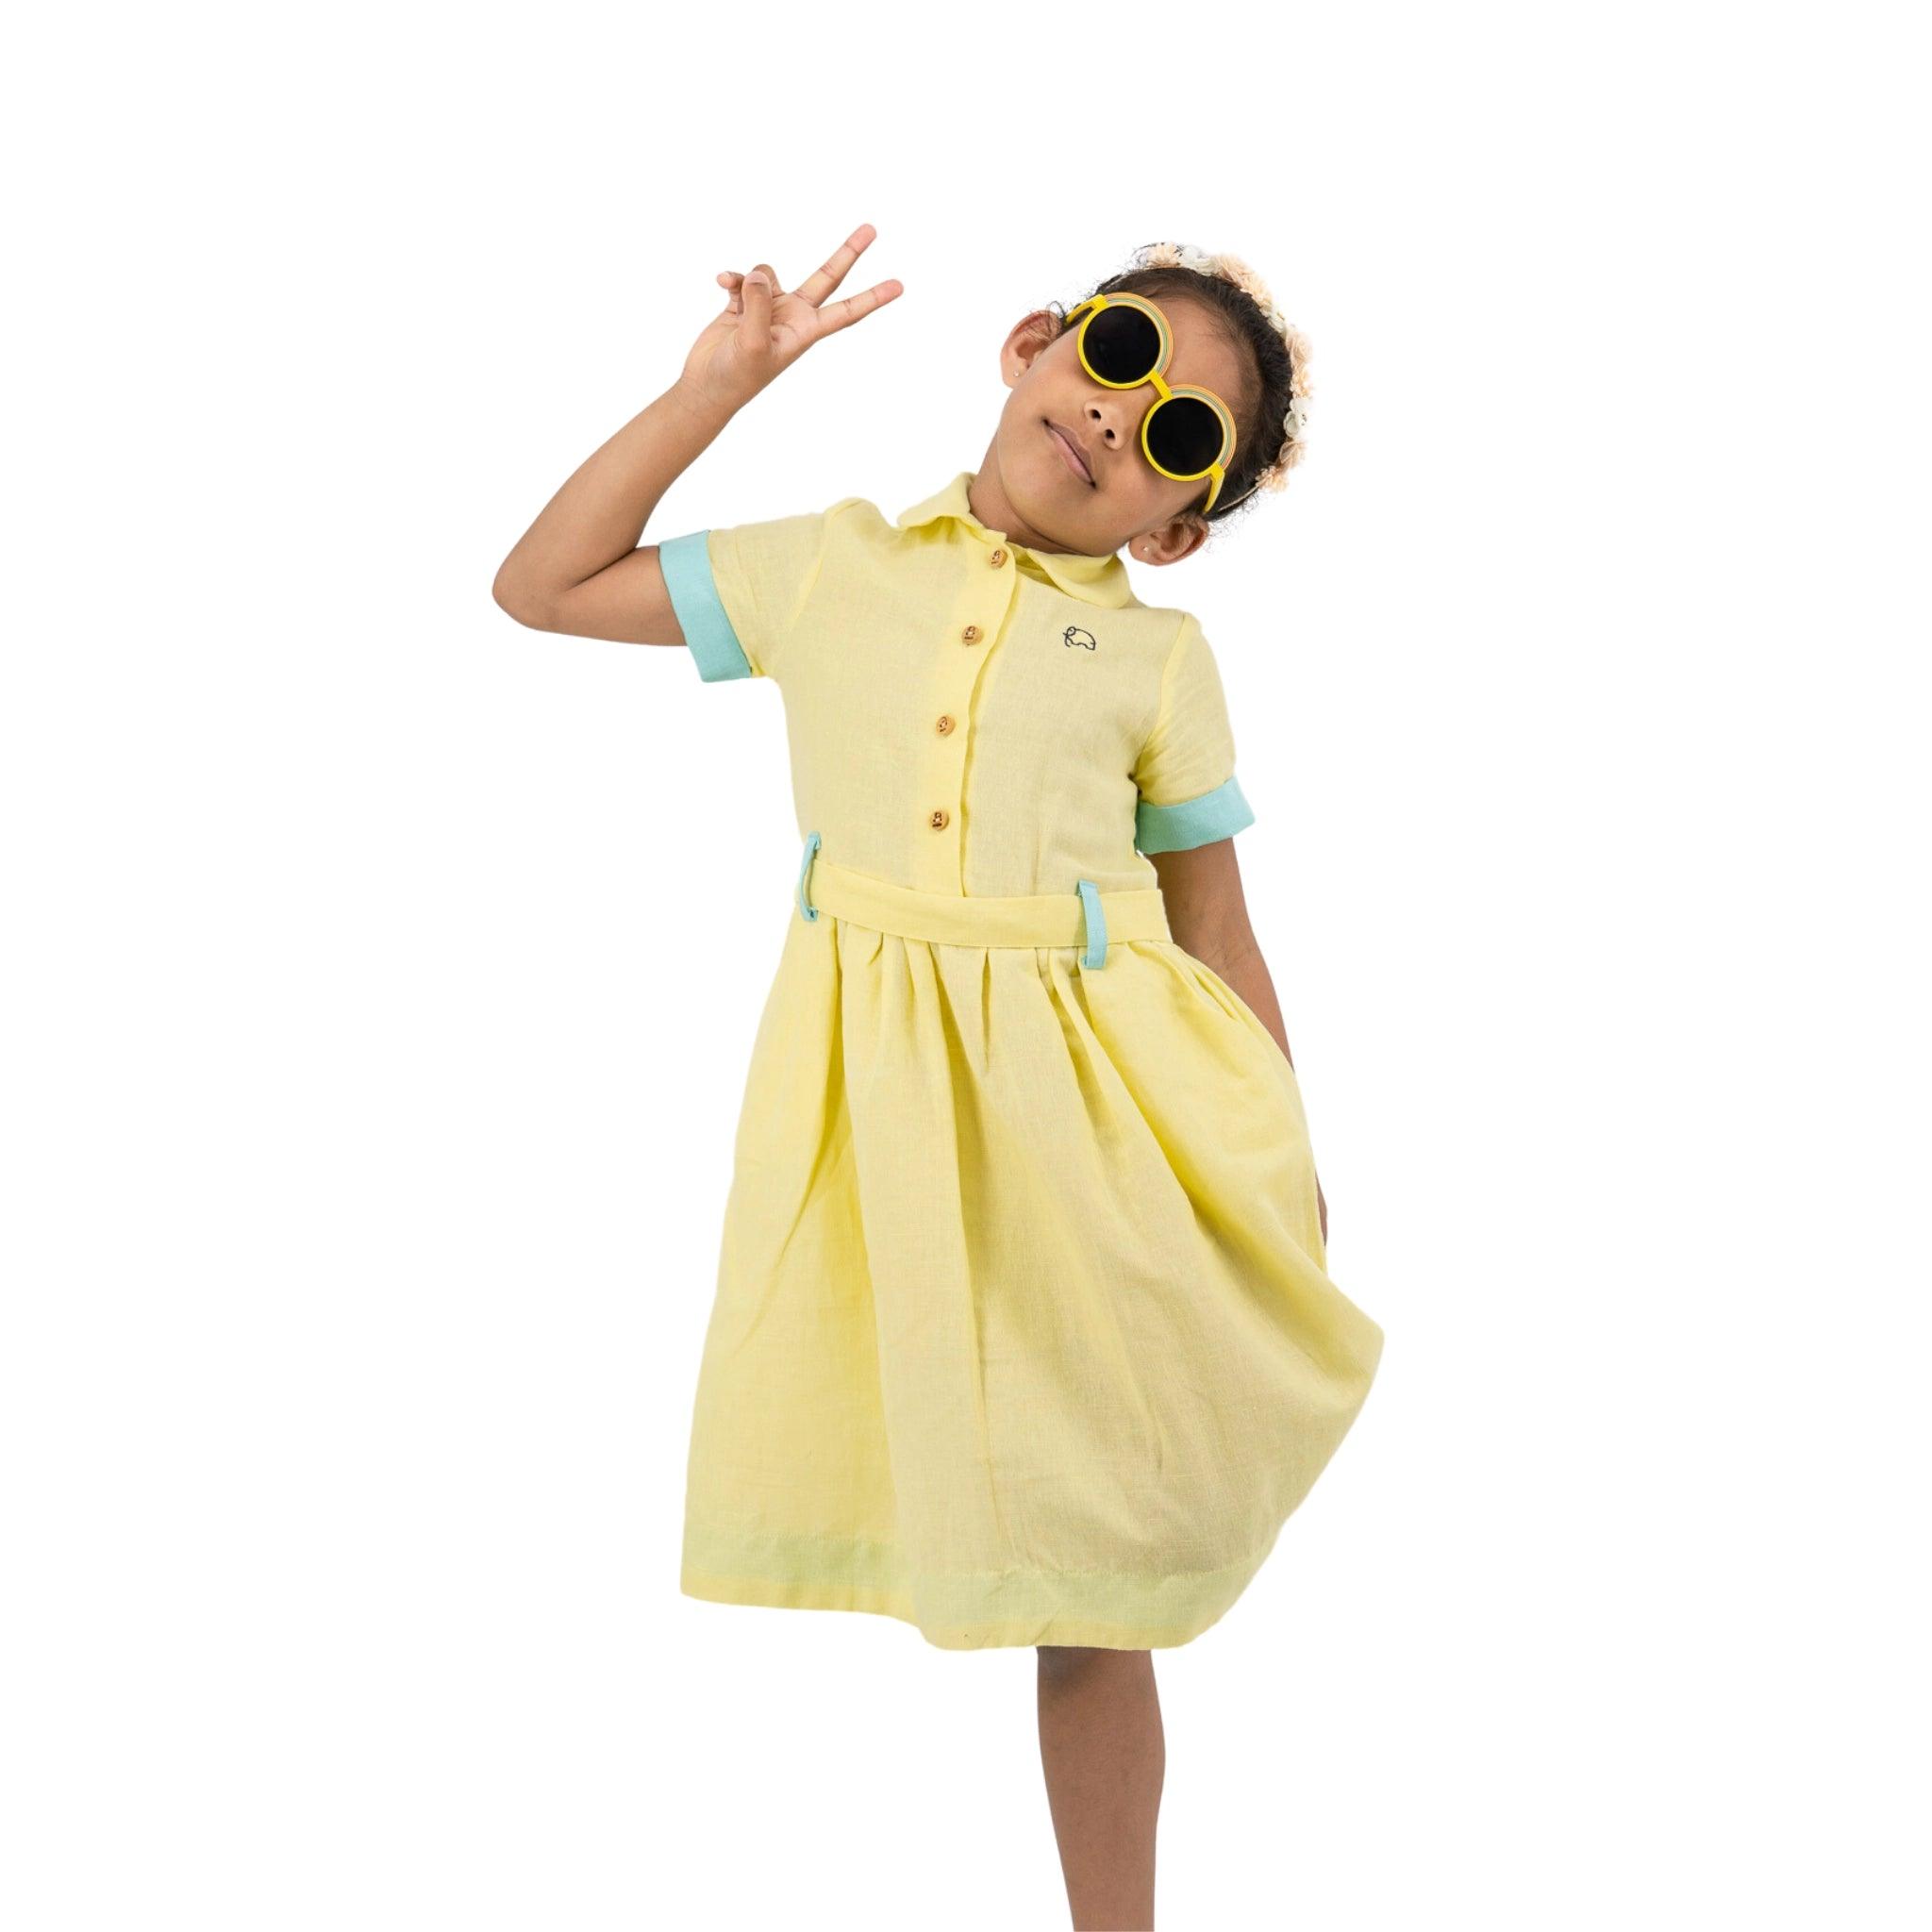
(1043, 1609)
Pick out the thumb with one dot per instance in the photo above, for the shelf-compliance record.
(756, 292)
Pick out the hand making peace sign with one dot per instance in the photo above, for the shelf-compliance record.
(764, 329)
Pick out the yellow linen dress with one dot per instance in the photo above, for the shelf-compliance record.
(1022, 1332)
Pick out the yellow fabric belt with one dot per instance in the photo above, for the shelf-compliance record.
(1085, 917)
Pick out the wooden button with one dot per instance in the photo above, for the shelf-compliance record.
(938, 818)
(998, 557)
(971, 633)
(944, 726)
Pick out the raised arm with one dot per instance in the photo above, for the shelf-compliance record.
(580, 568)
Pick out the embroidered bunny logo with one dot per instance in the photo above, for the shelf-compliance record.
(1074, 635)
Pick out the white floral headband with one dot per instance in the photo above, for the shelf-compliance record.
(1231, 268)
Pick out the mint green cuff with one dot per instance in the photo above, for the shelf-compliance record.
(686, 562)
(1216, 814)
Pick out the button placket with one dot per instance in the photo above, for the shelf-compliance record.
(964, 640)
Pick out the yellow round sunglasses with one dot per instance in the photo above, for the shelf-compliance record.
(1125, 341)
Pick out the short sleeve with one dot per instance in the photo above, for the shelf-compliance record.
(738, 592)
(1184, 773)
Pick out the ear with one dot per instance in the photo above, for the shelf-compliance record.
(1168, 542)
(1032, 333)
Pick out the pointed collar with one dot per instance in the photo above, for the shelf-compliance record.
(1101, 581)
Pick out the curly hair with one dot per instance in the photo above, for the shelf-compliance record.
(1270, 429)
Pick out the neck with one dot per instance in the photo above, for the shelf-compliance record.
(987, 498)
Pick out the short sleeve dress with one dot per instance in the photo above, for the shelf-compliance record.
(1022, 1331)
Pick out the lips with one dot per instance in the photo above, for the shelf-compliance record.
(1070, 451)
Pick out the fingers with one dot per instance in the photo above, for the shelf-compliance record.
(746, 297)
(839, 315)
(729, 279)
(824, 280)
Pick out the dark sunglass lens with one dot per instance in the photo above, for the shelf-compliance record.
(1122, 343)
(1185, 435)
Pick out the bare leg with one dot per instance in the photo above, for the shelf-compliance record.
(1104, 1756)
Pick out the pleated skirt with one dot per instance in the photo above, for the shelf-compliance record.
(1022, 1332)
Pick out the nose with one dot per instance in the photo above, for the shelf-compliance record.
(1113, 416)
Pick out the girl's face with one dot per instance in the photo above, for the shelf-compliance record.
(1065, 471)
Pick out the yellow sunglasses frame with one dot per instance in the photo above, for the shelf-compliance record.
(1085, 311)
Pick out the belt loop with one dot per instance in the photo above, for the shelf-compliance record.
(807, 909)
(1095, 953)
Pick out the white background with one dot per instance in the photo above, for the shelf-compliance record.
(383, 975)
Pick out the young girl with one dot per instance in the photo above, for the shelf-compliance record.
(1021, 1330)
